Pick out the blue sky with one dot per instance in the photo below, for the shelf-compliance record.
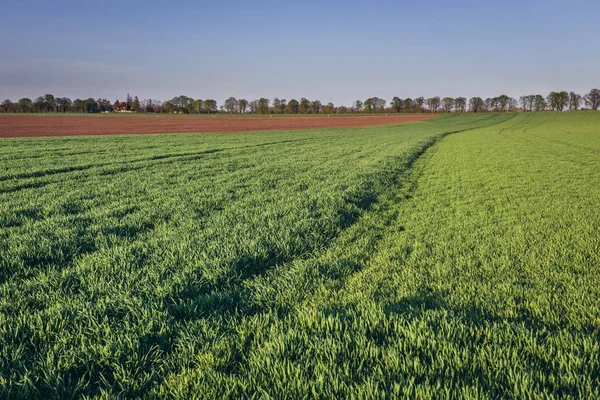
(335, 51)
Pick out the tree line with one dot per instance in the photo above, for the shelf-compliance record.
(555, 101)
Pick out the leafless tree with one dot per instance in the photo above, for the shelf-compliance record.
(539, 103)
(276, 105)
(379, 104)
(231, 105)
(592, 99)
(476, 104)
(282, 106)
(574, 101)
(447, 104)
(304, 107)
(527, 102)
(242, 105)
(460, 103)
(558, 101)
(316, 106)
(433, 103)
(254, 107)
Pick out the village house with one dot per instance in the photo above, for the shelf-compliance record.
(121, 107)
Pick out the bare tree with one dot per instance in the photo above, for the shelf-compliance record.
(254, 107)
(461, 104)
(501, 102)
(527, 102)
(103, 104)
(592, 99)
(563, 100)
(420, 103)
(276, 105)
(8, 106)
(523, 102)
(329, 108)
(433, 103)
(357, 106)
(558, 101)
(242, 105)
(282, 106)
(476, 104)
(231, 105)
(374, 104)
(447, 104)
(574, 101)
(488, 104)
(304, 107)
(154, 106)
(539, 103)
(379, 104)
(317, 106)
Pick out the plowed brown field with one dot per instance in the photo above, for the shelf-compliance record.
(35, 125)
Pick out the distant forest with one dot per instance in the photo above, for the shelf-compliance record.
(555, 101)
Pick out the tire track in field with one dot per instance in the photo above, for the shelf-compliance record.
(518, 131)
(548, 121)
(378, 218)
(55, 171)
(284, 288)
(127, 167)
(568, 145)
(401, 192)
(550, 147)
(42, 173)
(524, 122)
(275, 267)
(523, 136)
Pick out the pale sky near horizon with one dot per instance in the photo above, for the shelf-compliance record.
(335, 51)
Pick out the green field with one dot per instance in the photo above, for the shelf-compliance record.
(452, 258)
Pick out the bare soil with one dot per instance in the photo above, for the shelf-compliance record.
(39, 126)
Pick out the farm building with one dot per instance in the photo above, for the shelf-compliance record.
(122, 108)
